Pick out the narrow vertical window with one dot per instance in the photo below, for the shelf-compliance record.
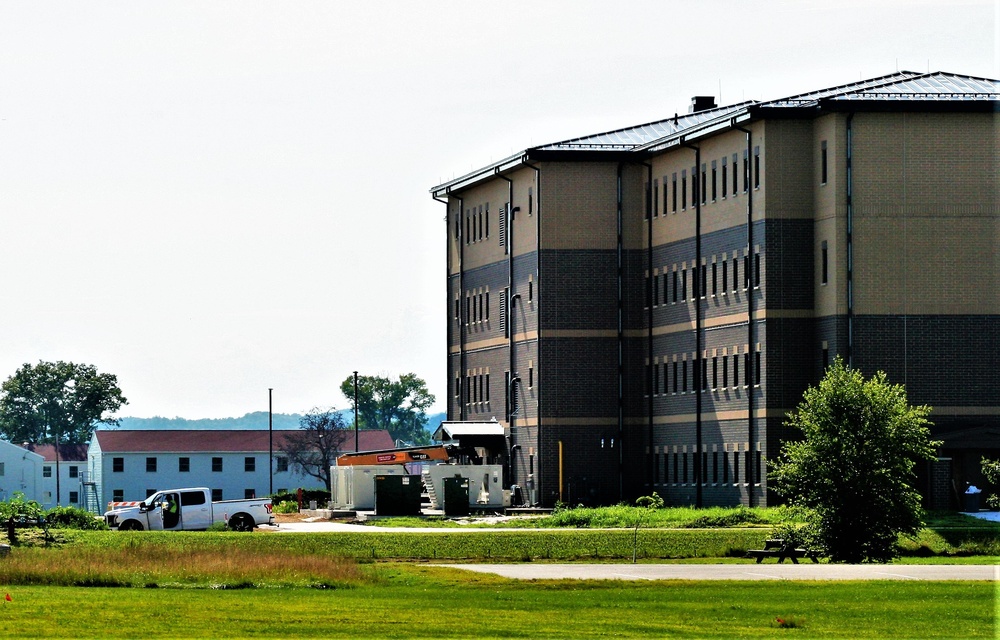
(656, 197)
(674, 377)
(684, 190)
(736, 272)
(714, 179)
(704, 280)
(756, 269)
(656, 290)
(715, 372)
(683, 284)
(531, 376)
(822, 162)
(724, 178)
(664, 195)
(694, 186)
(487, 220)
(715, 467)
(487, 295)
(649, 379)
(649, 292)
(725, 372)
(656, 379)
(756, 368)
(646, 205)
(735, 174)
(673, 192)
(531, 289)
(665, 386)
(746, 271)
(747, 370)
(736, 467)
(715, 278)
(736, 370)
(725, 467)
(486, 385)
(725, 277)
(694, 282)
(756, 167)
(531, 201)
(823, 264)
(684, 376)
(674, 298)
(704, 183)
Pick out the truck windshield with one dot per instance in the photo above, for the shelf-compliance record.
(154, 499)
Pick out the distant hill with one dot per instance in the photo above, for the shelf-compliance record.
(251, 421)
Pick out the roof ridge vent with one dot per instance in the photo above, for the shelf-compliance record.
(702, 103)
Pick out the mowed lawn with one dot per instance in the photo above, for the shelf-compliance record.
(425, 601)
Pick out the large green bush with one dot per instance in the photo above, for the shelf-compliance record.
(73, 518)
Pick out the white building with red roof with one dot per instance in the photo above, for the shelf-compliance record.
(20, 471)
(129, 465)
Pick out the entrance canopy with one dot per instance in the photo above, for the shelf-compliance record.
(486, 435)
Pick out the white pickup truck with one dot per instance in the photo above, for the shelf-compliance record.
(189, 510)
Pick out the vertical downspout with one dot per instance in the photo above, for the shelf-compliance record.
(699, 357)
(538, 321)
(621, 336)
(751, 430)
(850, 245)
(461, 290)
(650, 207)
(511, 296)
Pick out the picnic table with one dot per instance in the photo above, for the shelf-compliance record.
(776, 548)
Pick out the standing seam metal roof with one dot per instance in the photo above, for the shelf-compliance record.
(900, 86)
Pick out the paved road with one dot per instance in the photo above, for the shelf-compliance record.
(774, 571)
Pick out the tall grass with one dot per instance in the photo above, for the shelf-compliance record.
(167, 565)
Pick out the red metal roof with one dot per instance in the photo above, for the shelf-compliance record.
(201, 440)
(67, 452)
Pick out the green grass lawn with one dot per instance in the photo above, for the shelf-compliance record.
(415, 601)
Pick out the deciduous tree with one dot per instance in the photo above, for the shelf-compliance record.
(854, 468)
(398, 406)
(62, 401)
(315, 446)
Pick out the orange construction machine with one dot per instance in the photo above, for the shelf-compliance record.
(395, 456)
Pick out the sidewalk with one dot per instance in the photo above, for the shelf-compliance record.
(544, 571)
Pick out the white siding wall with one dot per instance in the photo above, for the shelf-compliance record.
(22, 471)
(135, 482)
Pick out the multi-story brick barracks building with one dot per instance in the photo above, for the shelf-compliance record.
(641, 308)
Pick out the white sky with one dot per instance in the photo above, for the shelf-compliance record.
(208, 199)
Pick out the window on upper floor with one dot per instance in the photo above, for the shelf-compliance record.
(822, 162)
(756, 167)
(281, 464)
(217, 465)
(46, 471)
(117, 465)
(150, 465)
(183, 465)
(74, 471)
(249, 464)
(824, 269)
(673, 192)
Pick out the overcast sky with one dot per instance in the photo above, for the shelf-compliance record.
(208, 199)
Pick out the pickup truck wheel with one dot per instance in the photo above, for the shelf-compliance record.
(130, 525)
(241, 522)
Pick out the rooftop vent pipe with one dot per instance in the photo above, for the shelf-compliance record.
(702, 103)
